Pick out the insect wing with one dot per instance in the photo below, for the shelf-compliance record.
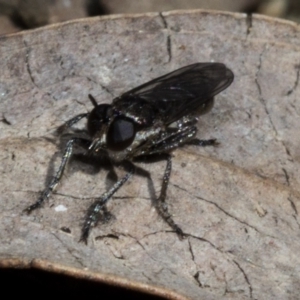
(183, 91)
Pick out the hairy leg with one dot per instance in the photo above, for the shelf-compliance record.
(95, 209)
(56, 179)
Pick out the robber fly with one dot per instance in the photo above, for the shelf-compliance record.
(152, 119)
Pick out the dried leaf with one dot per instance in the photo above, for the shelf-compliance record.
(238, 203)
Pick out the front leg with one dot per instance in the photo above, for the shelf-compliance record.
(71, 122)
(56, 179)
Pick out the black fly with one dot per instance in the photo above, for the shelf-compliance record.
(154, 118)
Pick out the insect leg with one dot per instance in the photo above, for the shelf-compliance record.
(168, 143)
(203, 143)
(161, 204)
(71, 122)
(92, 216)
(56, 179)
(177, 139)
(185, 137)
(171, 141)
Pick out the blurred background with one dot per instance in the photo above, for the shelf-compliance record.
(16, 15)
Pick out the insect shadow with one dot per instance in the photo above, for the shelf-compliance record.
(146, 122)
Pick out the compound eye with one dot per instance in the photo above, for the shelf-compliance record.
(121, 134)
